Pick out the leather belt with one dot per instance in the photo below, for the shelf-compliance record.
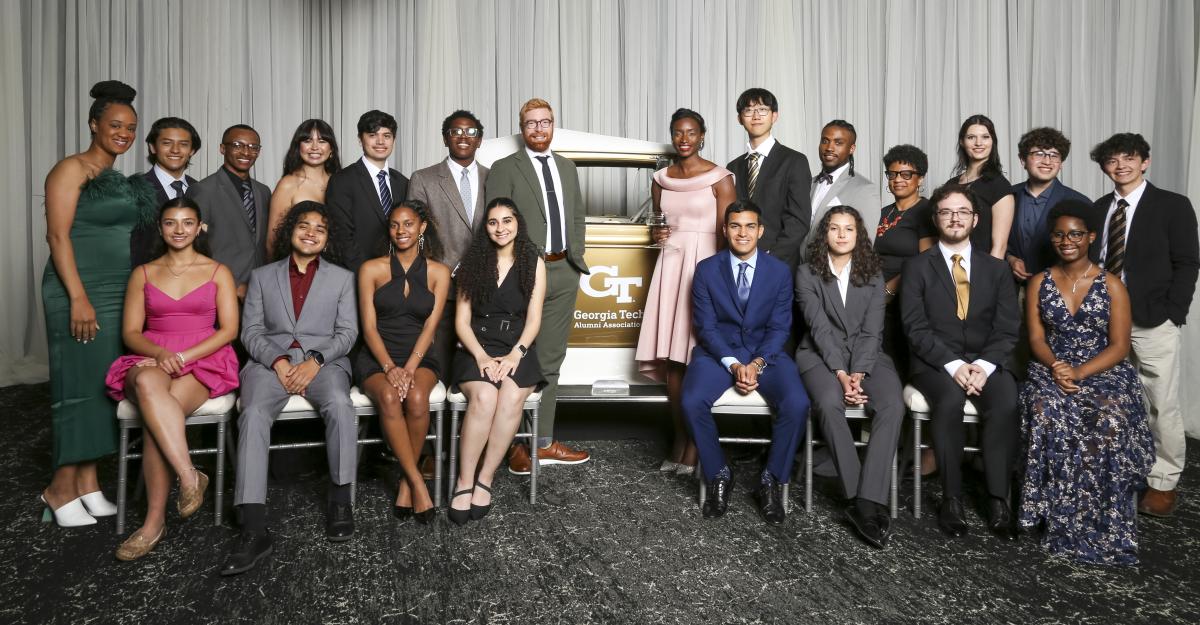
(555, 256)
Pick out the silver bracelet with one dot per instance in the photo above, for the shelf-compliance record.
(182, 360)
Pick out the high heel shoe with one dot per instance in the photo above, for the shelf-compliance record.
(138, 546)
(191, 499)
(70, 514)
(401, 512)
(459, 517)
(478, 512)
(425, 517)
(98, 505)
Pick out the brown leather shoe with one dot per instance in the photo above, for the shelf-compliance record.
(137, 546)
(1160, 503)
(518, 460)
(558, 453)
(190, 500)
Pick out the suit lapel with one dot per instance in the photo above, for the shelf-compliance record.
(449, 187)
(235, 197)
(370, 191)
(774, 161)
(479, 197)
(531, 179)
(943, 273)
(835, 296)
(285, 290)
(730, 285)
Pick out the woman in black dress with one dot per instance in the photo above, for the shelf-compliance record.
(400, 300)
(501, 285)
(979, 169)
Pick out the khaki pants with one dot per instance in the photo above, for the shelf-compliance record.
(1155, 353)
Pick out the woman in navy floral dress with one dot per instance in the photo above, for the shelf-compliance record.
(1087, 441)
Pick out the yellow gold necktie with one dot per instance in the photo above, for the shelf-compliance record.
(962, 286)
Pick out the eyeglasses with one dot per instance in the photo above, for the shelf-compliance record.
(460, 132)
(531, 124)
(758, 111)
(945, 213)
(238, 146)
(1074, 236)
(1049, 157)
(906, 174)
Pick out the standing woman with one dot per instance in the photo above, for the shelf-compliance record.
(400, 300)
(501, 286)
(980, 170)
(91, 210)
(693, 193)
(312, 157)
(181, 312)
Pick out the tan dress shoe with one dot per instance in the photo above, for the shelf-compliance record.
(191, 499)
(138, 545)
(1160, 503)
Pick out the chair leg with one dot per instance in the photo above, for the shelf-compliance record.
(358, 451)
(453, 453)
(219, 498)
(437, 457)
(700, 493)
(808, 464)
(895, 489)
(916, 466)
(533, 450)
(122, 477)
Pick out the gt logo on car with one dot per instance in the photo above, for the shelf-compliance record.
(613, 284)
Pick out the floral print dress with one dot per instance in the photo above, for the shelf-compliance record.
(1088, 453)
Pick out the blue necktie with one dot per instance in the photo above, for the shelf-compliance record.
(385, 194)
(743, 285)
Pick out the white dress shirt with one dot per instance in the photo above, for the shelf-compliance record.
(953, 366)
(456, 171)
(734, 263)
(822, 189)
(166, 180)
(374, 171)
(558, 191)
(1134, 198)
(764, 149)
(843, 278)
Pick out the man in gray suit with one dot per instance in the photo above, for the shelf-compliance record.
(299, 322)
(234, 206)
(453, 191)
(838, 184)
(546, 191)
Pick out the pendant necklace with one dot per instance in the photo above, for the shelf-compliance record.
(1076, 282)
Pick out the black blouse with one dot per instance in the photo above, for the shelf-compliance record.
(901, 234)
(989, 188)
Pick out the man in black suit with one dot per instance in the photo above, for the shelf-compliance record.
(171, 142)
(959, 310)
(1150, 241)
(361, 196)
(774, 176)
(234, 206)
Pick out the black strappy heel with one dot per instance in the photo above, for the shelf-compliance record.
(460, 517)
(478, 512)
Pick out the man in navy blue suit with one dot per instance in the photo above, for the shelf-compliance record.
(741, 314)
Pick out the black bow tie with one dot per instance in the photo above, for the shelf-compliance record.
(823, 177)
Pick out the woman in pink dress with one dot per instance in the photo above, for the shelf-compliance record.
(178, 361)
(693, 193)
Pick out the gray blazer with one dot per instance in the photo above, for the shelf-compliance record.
(229, 235)
(435, 187)
(838, 337)
(856, 191)
(513, 177)
(328, 322)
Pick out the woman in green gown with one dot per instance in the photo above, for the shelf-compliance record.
(90, 211)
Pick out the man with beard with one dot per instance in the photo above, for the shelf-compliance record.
(838, 184)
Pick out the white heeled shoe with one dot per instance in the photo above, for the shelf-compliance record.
(71, 514)
(98, 505)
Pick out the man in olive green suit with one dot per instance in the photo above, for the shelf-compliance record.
(545, 188)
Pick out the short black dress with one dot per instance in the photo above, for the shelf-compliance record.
(498, 324)
(399, 320)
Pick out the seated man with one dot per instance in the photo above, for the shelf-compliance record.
(959, 310)
(741, 314)
(299, 322)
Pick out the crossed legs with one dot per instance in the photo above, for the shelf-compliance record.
(405, 424)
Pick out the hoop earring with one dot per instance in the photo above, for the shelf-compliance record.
(391, 248)
(421, 243)
(702, 144)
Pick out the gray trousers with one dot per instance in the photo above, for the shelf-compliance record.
(562, 286)
(263, 397)
(870, 479)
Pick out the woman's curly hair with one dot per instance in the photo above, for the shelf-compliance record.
(864, 262)
(283, 232)
(478, 273)
(432, 247)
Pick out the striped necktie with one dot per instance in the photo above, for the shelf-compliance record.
(1114, 256)
(385, 194)
(752, 168)
(248, 205)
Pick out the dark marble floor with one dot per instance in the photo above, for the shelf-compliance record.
(611, 541)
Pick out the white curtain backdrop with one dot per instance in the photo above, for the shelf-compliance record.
(902, 71)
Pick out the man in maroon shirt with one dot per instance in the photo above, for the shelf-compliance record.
(299, 321)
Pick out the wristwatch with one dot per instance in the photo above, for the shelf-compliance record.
(524, 350)
(758, 366)
(316, 355)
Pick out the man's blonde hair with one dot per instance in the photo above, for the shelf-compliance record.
(534, 103)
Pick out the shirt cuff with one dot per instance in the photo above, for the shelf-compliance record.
(952, 366)
(987, 367)
(729, 362)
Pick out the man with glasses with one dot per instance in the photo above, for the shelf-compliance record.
(1150, 242)
(959, 310)
(1042, 152)
(361, 196)
(453, 191)
(545, 188)
(773, 176)
(838, 184)
(234, 206)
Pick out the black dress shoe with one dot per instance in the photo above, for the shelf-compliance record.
(867, 526)
(339, 522)
(248, 551)
(478, 512)
(456, 516)
(402, 512)
(950, 517)
(716, 499)
(1000, 520)
(770, 502)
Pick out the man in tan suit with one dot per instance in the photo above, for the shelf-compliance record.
(453, 191)
(545, 188)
